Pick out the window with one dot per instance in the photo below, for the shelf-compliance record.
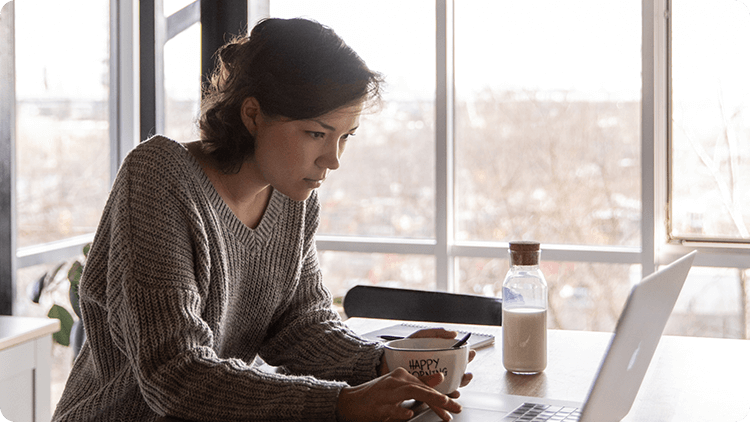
(182, 76)
(710, 120)
(708, 133)
(545, 139)
(427, 190)
(62, 118)
(64, 149)
(547, 121)
(582, 296)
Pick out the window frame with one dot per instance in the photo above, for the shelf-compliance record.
(8, 231)
(711, 253)
(716, 245)
(655, 249)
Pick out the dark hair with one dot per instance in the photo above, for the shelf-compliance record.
(295, 68)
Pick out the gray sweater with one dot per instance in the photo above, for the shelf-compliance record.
(178, 297)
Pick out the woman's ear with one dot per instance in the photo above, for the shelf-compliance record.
(250, 112)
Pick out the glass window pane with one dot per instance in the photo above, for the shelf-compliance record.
(385, 186)
(62, 145)
(710, 305)
(548, 121)
(582, 296)
(172, 6)
(586, 296)
(372, 269)
(182, 84)
(710, 119)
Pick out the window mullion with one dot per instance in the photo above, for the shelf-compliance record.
(257, 10)
(445, 261)
(123, 80)
(8, 222)
(153, 33)
(653, 132)
(183, 19)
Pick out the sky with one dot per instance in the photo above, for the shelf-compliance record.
(587, 46)
(61, 52)
(713, 57)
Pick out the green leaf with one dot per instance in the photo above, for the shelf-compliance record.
(73, 296)
(52, 274)
(35, 288)
(86, 250)
(62, 337)
(74, 274)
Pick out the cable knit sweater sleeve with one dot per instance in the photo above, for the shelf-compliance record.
(166, 333)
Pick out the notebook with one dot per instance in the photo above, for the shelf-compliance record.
(639, 329)
(476, 341)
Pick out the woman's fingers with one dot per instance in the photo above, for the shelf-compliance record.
(421, 389)
(383, 367)
(433, 333)
(398, 413)
(466, 379)
(438, 402)
(432, 380)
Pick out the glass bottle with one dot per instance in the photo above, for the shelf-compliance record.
(524, 311)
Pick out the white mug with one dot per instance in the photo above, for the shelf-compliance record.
(427, 356)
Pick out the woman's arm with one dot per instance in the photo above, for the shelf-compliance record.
(308, 336)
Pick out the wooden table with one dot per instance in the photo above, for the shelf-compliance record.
(25, 358)
(690, 378)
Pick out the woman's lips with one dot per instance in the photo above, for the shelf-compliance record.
(315, 183)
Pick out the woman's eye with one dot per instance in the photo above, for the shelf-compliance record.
(317, 135)
(347, 136)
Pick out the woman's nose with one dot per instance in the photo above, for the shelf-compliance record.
(331, 156)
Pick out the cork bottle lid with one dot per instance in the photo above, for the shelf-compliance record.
(524, 246)
(524, 252)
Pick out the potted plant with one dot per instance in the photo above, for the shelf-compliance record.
(71, 330)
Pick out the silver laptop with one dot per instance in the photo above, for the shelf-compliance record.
(616, 385)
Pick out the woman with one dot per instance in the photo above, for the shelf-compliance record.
(205, 256)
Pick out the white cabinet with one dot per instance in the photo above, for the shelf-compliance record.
(25, 356)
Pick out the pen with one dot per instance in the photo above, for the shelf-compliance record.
(389, 338)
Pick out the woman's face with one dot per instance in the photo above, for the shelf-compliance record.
(296, 156)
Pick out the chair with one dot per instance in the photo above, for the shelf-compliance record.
(420, 305)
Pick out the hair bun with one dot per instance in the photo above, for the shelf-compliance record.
(228, 53)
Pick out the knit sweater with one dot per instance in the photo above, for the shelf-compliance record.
(178, 297)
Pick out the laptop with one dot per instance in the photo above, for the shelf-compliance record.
(620, 374)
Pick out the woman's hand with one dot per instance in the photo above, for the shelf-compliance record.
(381, 398)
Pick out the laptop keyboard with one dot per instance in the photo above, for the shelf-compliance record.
(534, 412)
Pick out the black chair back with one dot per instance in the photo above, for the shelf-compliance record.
(420, 305)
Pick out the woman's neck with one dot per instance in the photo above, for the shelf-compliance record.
(241, 191)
